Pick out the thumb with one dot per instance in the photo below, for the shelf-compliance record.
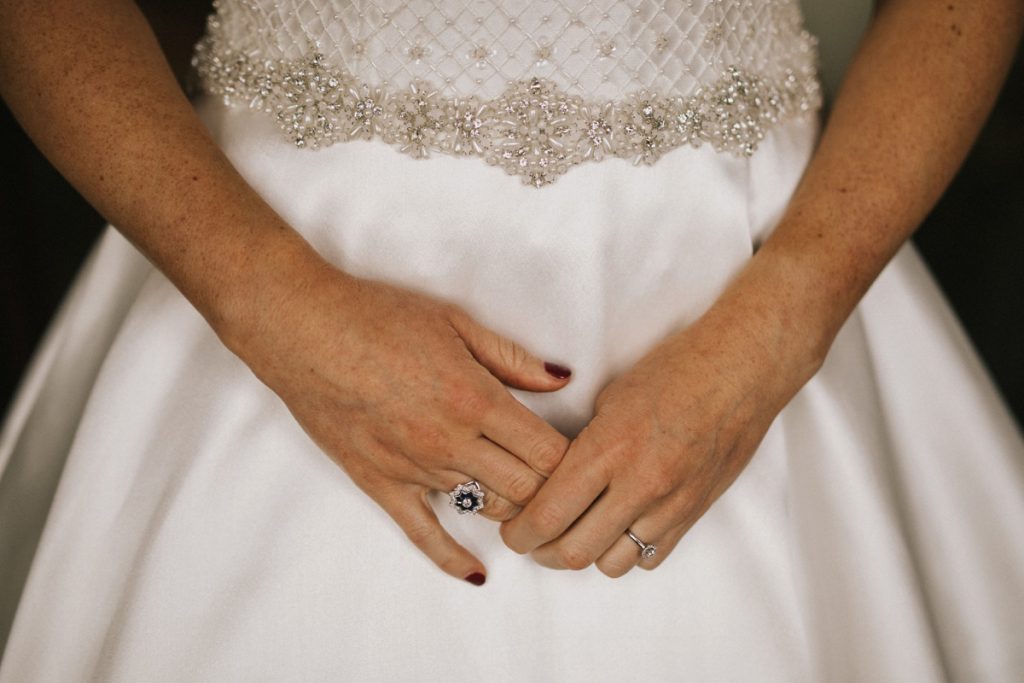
(508, 361)
(420, 524)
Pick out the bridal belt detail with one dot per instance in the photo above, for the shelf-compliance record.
(534, 129)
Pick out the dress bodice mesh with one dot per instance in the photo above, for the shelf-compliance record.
(533, 86)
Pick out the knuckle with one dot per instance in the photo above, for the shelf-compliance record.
(504, 531)
(547, 455)
(609, 468)
(421, 533)
(571, 556)
(428, 436)
(512, 355)
(429, 459)
(613, 458)
(510, 511)
(662, 487)
(546, 521)
(653, 563)
(501, 510)
(656, 480)
(521, 488)
(685, 507)
(614, 568)
(468, 403)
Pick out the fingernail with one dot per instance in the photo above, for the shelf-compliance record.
(559, 371)
(476, 578)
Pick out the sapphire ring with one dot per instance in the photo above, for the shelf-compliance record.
(468, 498)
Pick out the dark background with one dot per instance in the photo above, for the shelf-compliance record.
(973, 240)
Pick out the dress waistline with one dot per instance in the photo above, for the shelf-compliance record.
(534, 129)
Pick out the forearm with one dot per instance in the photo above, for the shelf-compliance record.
(88, 82)
(914, 98)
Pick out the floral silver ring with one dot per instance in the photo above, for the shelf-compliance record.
(468, 498)
(647, 550)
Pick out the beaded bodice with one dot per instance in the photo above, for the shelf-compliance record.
(533, 86)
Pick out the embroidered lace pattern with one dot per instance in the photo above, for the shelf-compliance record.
(747, 66)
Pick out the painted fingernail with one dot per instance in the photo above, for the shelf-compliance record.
(476, 578)
(559, 371)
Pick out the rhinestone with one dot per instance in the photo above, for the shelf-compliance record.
(534, 128)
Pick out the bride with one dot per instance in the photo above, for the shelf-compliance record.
(395, 265)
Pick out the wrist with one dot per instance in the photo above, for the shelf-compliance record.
(787, 317)
(258, 283)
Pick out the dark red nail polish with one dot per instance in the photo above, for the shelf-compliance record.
(476, 578)
(559, 371)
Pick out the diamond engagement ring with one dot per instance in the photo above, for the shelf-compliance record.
(467, 498)
(647, 550)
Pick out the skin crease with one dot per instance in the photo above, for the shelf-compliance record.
(669, 436)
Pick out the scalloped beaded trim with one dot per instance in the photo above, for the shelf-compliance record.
(534, 129)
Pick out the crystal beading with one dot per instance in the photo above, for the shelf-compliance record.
(535, 128)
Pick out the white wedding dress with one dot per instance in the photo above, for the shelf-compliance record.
(583, 177)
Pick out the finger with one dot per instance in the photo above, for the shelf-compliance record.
(590, 536)
(496, 508)
(507, 360)
(499, 509)
(524, 434)
(676, 516)
(577, 482)
(408, 506)
(659, 527)
(624, 554)
(666, 545)
(506, 474)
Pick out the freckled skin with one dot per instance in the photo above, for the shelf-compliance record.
(404, 392)
(88, 82)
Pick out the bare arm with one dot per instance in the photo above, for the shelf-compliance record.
(675, 431)
(916, 95)
(88, 82)
(365, 368)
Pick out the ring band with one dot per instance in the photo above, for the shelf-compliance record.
(468, 498)
(647, 550)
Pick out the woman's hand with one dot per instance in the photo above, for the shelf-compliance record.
(668, 438)
(673, 433)
(403, 392)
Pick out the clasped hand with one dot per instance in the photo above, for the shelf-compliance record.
(408, 395)
(668, 438)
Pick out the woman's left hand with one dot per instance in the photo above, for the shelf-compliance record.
(671, 434)
(668, 438)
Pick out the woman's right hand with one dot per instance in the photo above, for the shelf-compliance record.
(405, 393)
(401, 390)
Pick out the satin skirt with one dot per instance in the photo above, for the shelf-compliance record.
(165, 519)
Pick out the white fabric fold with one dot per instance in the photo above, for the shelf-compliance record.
(198, 534)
